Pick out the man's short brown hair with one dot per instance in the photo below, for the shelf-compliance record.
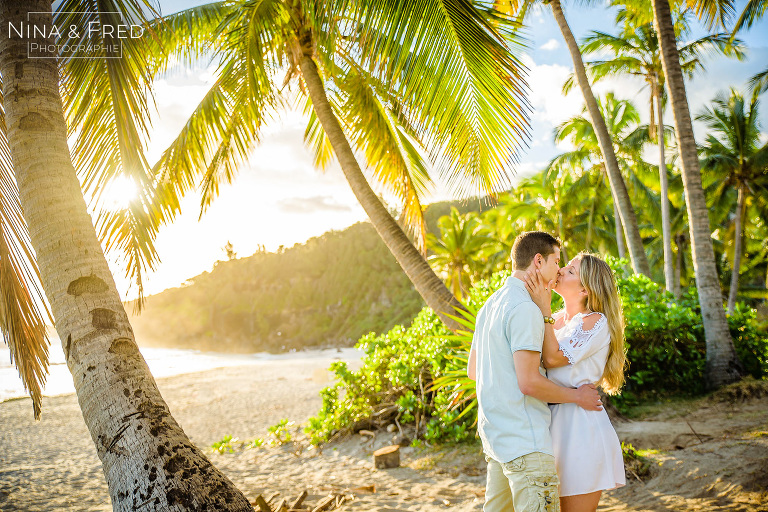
(530, 243)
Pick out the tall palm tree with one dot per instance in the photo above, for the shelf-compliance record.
(458, 251)
(146, 457)
(734, 153)
(621, 120)
(376, 84)
(618, 186)
(636, 52)
(723, 365)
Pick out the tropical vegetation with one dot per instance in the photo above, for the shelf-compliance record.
(415, 376)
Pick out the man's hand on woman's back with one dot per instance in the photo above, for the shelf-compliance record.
(588, 398)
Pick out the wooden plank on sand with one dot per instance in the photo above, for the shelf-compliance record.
(298, 501)
(262, 503)
(324, 503)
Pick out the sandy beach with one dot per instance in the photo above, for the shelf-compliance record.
(711, 458)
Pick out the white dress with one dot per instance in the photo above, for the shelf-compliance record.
(587, 449)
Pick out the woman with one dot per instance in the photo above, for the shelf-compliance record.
(584, 345)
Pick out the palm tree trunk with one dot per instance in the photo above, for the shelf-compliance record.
(590, 225)
(427, 283)
(738, 234)
(679, 240)
(723, 365)
(147, 459)
(666, 222)
(561, 231)
(620, 248)
(618, 187)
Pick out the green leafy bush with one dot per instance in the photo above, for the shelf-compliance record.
(225, 445)
(281, 432)
(666, 342)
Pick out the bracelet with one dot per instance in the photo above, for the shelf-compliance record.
(549, 320)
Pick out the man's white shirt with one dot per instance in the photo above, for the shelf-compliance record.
(510, 424)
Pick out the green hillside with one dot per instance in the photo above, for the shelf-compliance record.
(330, 290)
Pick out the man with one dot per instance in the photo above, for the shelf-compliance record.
(512, 391)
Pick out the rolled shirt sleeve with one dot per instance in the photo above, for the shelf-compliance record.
(525, 328)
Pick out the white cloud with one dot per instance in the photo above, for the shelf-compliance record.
(552, 44)
(546, 97)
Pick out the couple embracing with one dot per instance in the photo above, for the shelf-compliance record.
(547, 439)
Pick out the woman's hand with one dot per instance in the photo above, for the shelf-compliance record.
(540, 290)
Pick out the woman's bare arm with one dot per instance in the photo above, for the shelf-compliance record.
(551, 355)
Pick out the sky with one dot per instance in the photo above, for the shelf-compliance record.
(280, 198)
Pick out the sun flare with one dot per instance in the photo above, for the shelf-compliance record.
(119, 193)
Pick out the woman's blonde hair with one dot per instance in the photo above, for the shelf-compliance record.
(603, 297)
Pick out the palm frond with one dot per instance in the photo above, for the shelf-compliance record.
(226, 125)
(316, 138)
(754, 10)
(713, 12)
(758, 84)
(107, 103)
(23, 308)
(469, 89)
(391, 150)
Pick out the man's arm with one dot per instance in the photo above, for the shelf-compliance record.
(533, 383)
(472, 364)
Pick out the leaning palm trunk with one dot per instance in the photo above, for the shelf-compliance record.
(429, 286)
(618, 187)
(738, 234)
(147, 459)
(723, 365)
(620, 248)
(666, 222)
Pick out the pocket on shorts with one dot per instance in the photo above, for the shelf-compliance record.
(515, 465)
(544, 494)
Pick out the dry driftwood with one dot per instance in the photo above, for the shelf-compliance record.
(325, 503)
(332, 501)
(298, 501)
(262, 504)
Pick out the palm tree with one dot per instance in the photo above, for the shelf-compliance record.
(621, 120)
(636, 52)
(458, 252)
(723, 365)
(376, 84)
(146, 457)
(734, 153)
(618, 187)
(552, 200)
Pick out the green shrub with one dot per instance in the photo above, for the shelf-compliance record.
(225, 445)
(666, 343)
(280, 432)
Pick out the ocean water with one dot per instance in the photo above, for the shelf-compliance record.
(162, 362)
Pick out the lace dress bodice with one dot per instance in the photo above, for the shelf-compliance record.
(586, 350)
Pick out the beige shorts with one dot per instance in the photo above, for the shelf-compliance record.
(525, 484)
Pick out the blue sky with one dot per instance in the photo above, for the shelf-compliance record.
(280, 199)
